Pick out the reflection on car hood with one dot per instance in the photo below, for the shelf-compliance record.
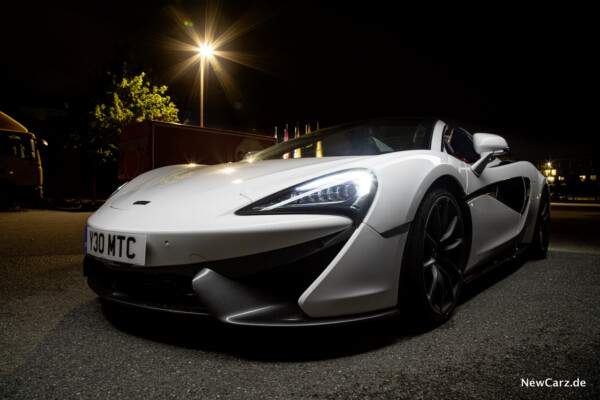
(243, 181)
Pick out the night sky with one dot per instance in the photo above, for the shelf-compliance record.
(523, 73)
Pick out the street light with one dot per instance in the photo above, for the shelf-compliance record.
(204, 51)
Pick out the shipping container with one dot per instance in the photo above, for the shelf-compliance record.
(151, 144)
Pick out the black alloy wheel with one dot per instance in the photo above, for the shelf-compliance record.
(541, 236)
(436, 258)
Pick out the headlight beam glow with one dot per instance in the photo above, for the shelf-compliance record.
(348, 192)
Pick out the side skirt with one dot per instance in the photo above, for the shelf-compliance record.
(515, 251)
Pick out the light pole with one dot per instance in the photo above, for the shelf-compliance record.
(205, 51)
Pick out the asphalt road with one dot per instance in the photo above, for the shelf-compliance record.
(534, 322)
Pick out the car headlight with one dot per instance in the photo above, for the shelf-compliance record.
(347, 193)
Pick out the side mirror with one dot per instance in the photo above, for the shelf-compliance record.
(486, 142)
(489, 146)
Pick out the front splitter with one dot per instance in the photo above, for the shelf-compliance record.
(234, 303)
(211, 294)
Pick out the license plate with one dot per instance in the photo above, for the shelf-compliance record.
(115, 246)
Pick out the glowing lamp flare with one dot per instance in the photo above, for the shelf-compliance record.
(206, 50)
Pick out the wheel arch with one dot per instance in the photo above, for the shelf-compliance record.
(403, 186)
(409, 295)
(451, 184)
(546, 190)
(7, 193)
(541, 234)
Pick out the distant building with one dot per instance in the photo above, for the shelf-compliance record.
(572, 178)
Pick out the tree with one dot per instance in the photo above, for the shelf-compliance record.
(129, 99)
(113, 101)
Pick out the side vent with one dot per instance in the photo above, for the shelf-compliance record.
(141, 203)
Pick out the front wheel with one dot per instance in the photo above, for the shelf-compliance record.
(434, 260)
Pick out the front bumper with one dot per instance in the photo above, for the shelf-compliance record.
(238, 304)
(208, 294)
(258, 290)
(344, 277)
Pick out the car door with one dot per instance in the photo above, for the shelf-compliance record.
(498, 201)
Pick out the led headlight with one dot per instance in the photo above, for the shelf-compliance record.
(348, 193)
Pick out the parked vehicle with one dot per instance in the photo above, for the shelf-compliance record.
(21, 176)
(365, 220)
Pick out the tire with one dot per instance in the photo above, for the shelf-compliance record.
(541, 235)
(434, 259)
(5, 195)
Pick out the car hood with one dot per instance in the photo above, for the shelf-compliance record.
(185, 193)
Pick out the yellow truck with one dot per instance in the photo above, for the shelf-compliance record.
(21, 175)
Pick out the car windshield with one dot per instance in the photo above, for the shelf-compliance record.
(361, 139)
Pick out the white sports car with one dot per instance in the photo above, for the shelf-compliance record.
(349, 223)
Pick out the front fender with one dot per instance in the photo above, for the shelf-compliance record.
(402, 185)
